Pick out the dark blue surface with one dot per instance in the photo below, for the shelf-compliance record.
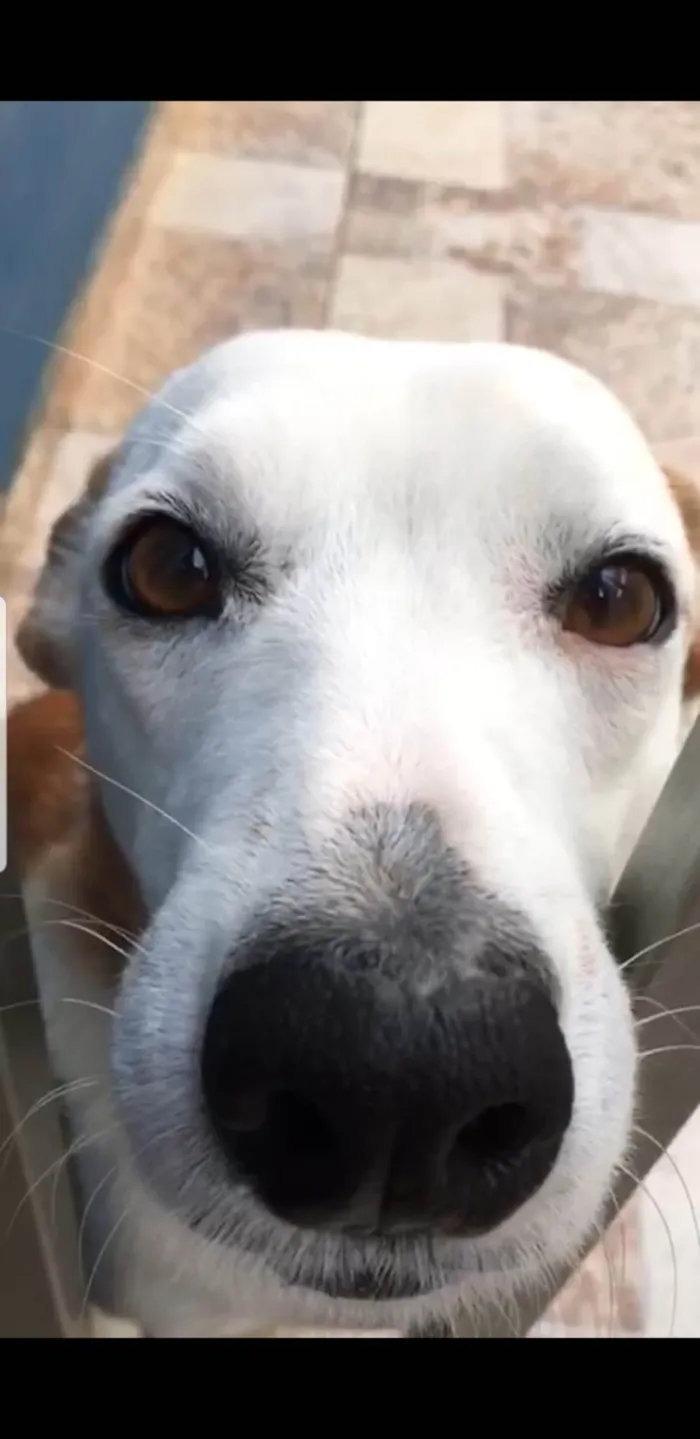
(62, 163)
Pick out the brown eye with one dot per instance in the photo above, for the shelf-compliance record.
(620, 603)
(162, 571)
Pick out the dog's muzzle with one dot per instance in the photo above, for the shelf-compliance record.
(353, 1099)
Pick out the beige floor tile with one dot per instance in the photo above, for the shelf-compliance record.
(540, 242)
(250, 199)
(111, 275)
(19, 514)
(604, 1295)
(72, 461)
(682, 455)
(384, 216)
(492, 232)
(307, 132)
(670, 1220)
(453, 142)
(424, 299)
(186, 292)
(551, 1329)
(648, 353)
(643, 154)
(643, 255)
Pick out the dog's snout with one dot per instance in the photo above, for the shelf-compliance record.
(348, 1102)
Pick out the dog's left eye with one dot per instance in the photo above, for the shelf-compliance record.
(161, 570)
(626, 601)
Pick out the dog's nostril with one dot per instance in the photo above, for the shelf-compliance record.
(286, 1123)
(298, 1125)
(496, 1134)
(344, 1103)
(246, 1112)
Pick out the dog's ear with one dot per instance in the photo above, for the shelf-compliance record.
(680, 463)
(45, 637)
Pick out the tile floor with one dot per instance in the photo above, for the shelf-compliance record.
(566, 224)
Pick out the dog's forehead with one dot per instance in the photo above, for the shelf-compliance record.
(296, 426)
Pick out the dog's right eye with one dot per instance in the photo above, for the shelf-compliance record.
(162, 570)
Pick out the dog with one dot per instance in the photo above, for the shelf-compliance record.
(367, 662)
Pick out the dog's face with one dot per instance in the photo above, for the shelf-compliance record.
(395, 635)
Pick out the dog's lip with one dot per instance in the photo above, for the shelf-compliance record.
(370, 1281)
(368, 1285)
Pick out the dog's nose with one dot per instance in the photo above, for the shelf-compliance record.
(348, 1103)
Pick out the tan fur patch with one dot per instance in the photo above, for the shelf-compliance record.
(52, 801)
(47, 792)
(686, 493)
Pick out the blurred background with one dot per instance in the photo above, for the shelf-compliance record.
(136, 233)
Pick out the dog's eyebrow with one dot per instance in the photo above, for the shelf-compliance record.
(223, 525)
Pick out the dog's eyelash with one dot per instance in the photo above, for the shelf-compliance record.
(240, 561)
(240, 565)
(619, 549)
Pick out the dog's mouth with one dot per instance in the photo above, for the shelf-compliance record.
(372, 1286)
(389, 1275)
(383, 1276)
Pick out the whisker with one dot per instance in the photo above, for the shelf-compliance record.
(61, 1091)
(93, 934)
(76, 1147)
(101, 1255)
(86, 1211)
(18, 1004)
(155, 1139)
(601, 1235)
(99, 774)
(622, 1231)
(70, 354)
(668, 1014)
(89, 1004)
(650, 999)
(84, 929)
(667, 939)
(29, 929)
(612, 1287)
(93, 1138)
(500, 1308)
(63, 999)
(663, 1011)
(668, 1049)
(639, 1183)
(666, 1154)
(86, 914)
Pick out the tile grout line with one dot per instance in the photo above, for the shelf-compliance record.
(341, 230)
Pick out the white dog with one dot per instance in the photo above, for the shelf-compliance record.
(383, 652)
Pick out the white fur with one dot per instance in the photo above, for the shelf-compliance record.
(428, 494)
